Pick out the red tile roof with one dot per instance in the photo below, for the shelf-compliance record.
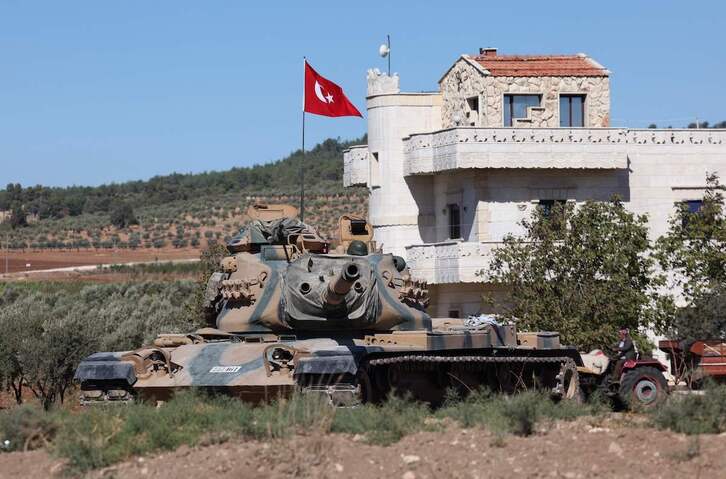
(540, 65)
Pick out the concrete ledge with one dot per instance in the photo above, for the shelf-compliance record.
(450, 262)
(558, 148)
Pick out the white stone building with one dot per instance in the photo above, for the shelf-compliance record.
(451, 172)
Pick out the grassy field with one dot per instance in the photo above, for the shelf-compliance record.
(101, 436)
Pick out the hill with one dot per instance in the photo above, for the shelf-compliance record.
(176, 210)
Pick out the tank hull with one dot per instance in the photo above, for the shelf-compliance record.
(347, 369)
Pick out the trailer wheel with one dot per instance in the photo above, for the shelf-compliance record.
(643, 388)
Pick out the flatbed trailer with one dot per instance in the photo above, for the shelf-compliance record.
(693, 362)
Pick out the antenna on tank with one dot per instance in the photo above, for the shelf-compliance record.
(385, 52)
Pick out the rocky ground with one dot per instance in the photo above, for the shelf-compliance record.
(619, 446)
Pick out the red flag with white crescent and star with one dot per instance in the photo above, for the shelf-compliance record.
(323, 97)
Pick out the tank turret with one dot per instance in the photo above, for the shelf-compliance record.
(287, 291)
(281, 278)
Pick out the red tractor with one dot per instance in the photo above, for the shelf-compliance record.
(639, 385)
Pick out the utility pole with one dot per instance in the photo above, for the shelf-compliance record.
(7, 251)
(388, 42)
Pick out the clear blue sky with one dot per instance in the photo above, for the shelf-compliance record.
(96, 91)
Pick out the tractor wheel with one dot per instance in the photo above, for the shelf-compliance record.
(643, 388)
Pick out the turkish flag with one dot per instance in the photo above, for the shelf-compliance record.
(323, 97)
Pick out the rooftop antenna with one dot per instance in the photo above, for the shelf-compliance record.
(385, 51)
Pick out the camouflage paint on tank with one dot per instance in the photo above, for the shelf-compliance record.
(413, 319)
(273, 308)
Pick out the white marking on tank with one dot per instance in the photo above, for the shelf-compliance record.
(225, 369)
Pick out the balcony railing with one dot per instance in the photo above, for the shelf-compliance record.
(581, 148)
(450, 261)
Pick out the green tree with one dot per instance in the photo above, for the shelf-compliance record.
(46, 331)
(694, 249)
(122, 215)
(18, 218)
(584, 272)
(11, 374)
(42, 347)
(703, 318)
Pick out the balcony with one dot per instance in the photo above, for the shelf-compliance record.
(450, 261)
(579, 148)
(355, 166)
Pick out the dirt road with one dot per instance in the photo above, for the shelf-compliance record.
(610, 448)
(18, 261)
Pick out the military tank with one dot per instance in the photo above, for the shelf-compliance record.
(288, 314)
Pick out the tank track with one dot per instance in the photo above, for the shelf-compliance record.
(566, 387)
(346, 394)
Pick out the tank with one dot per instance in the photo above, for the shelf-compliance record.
(287, 314)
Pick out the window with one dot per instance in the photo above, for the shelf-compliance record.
(548, 205)
(375, 167)
(454, 221)
(554, 212)
(692, 207)
(572, 110)
(515, 106)
(454, 313)
(472, 113)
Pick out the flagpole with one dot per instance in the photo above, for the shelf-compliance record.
(302, 157)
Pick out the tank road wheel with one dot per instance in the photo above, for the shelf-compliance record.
(643, 388)
(568, 383)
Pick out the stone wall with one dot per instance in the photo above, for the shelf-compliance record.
(462, 81)
(465, 80)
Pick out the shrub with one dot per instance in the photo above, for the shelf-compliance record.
(383, 424)
(27, 427)
(518, 414)
(694, 414)
(102, 436)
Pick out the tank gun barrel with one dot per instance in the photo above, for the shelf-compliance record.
(340, 284)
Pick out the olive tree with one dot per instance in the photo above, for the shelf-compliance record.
(44, 334)
(584, 271)
(11, 374)
(41, 346)
(122, 215)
